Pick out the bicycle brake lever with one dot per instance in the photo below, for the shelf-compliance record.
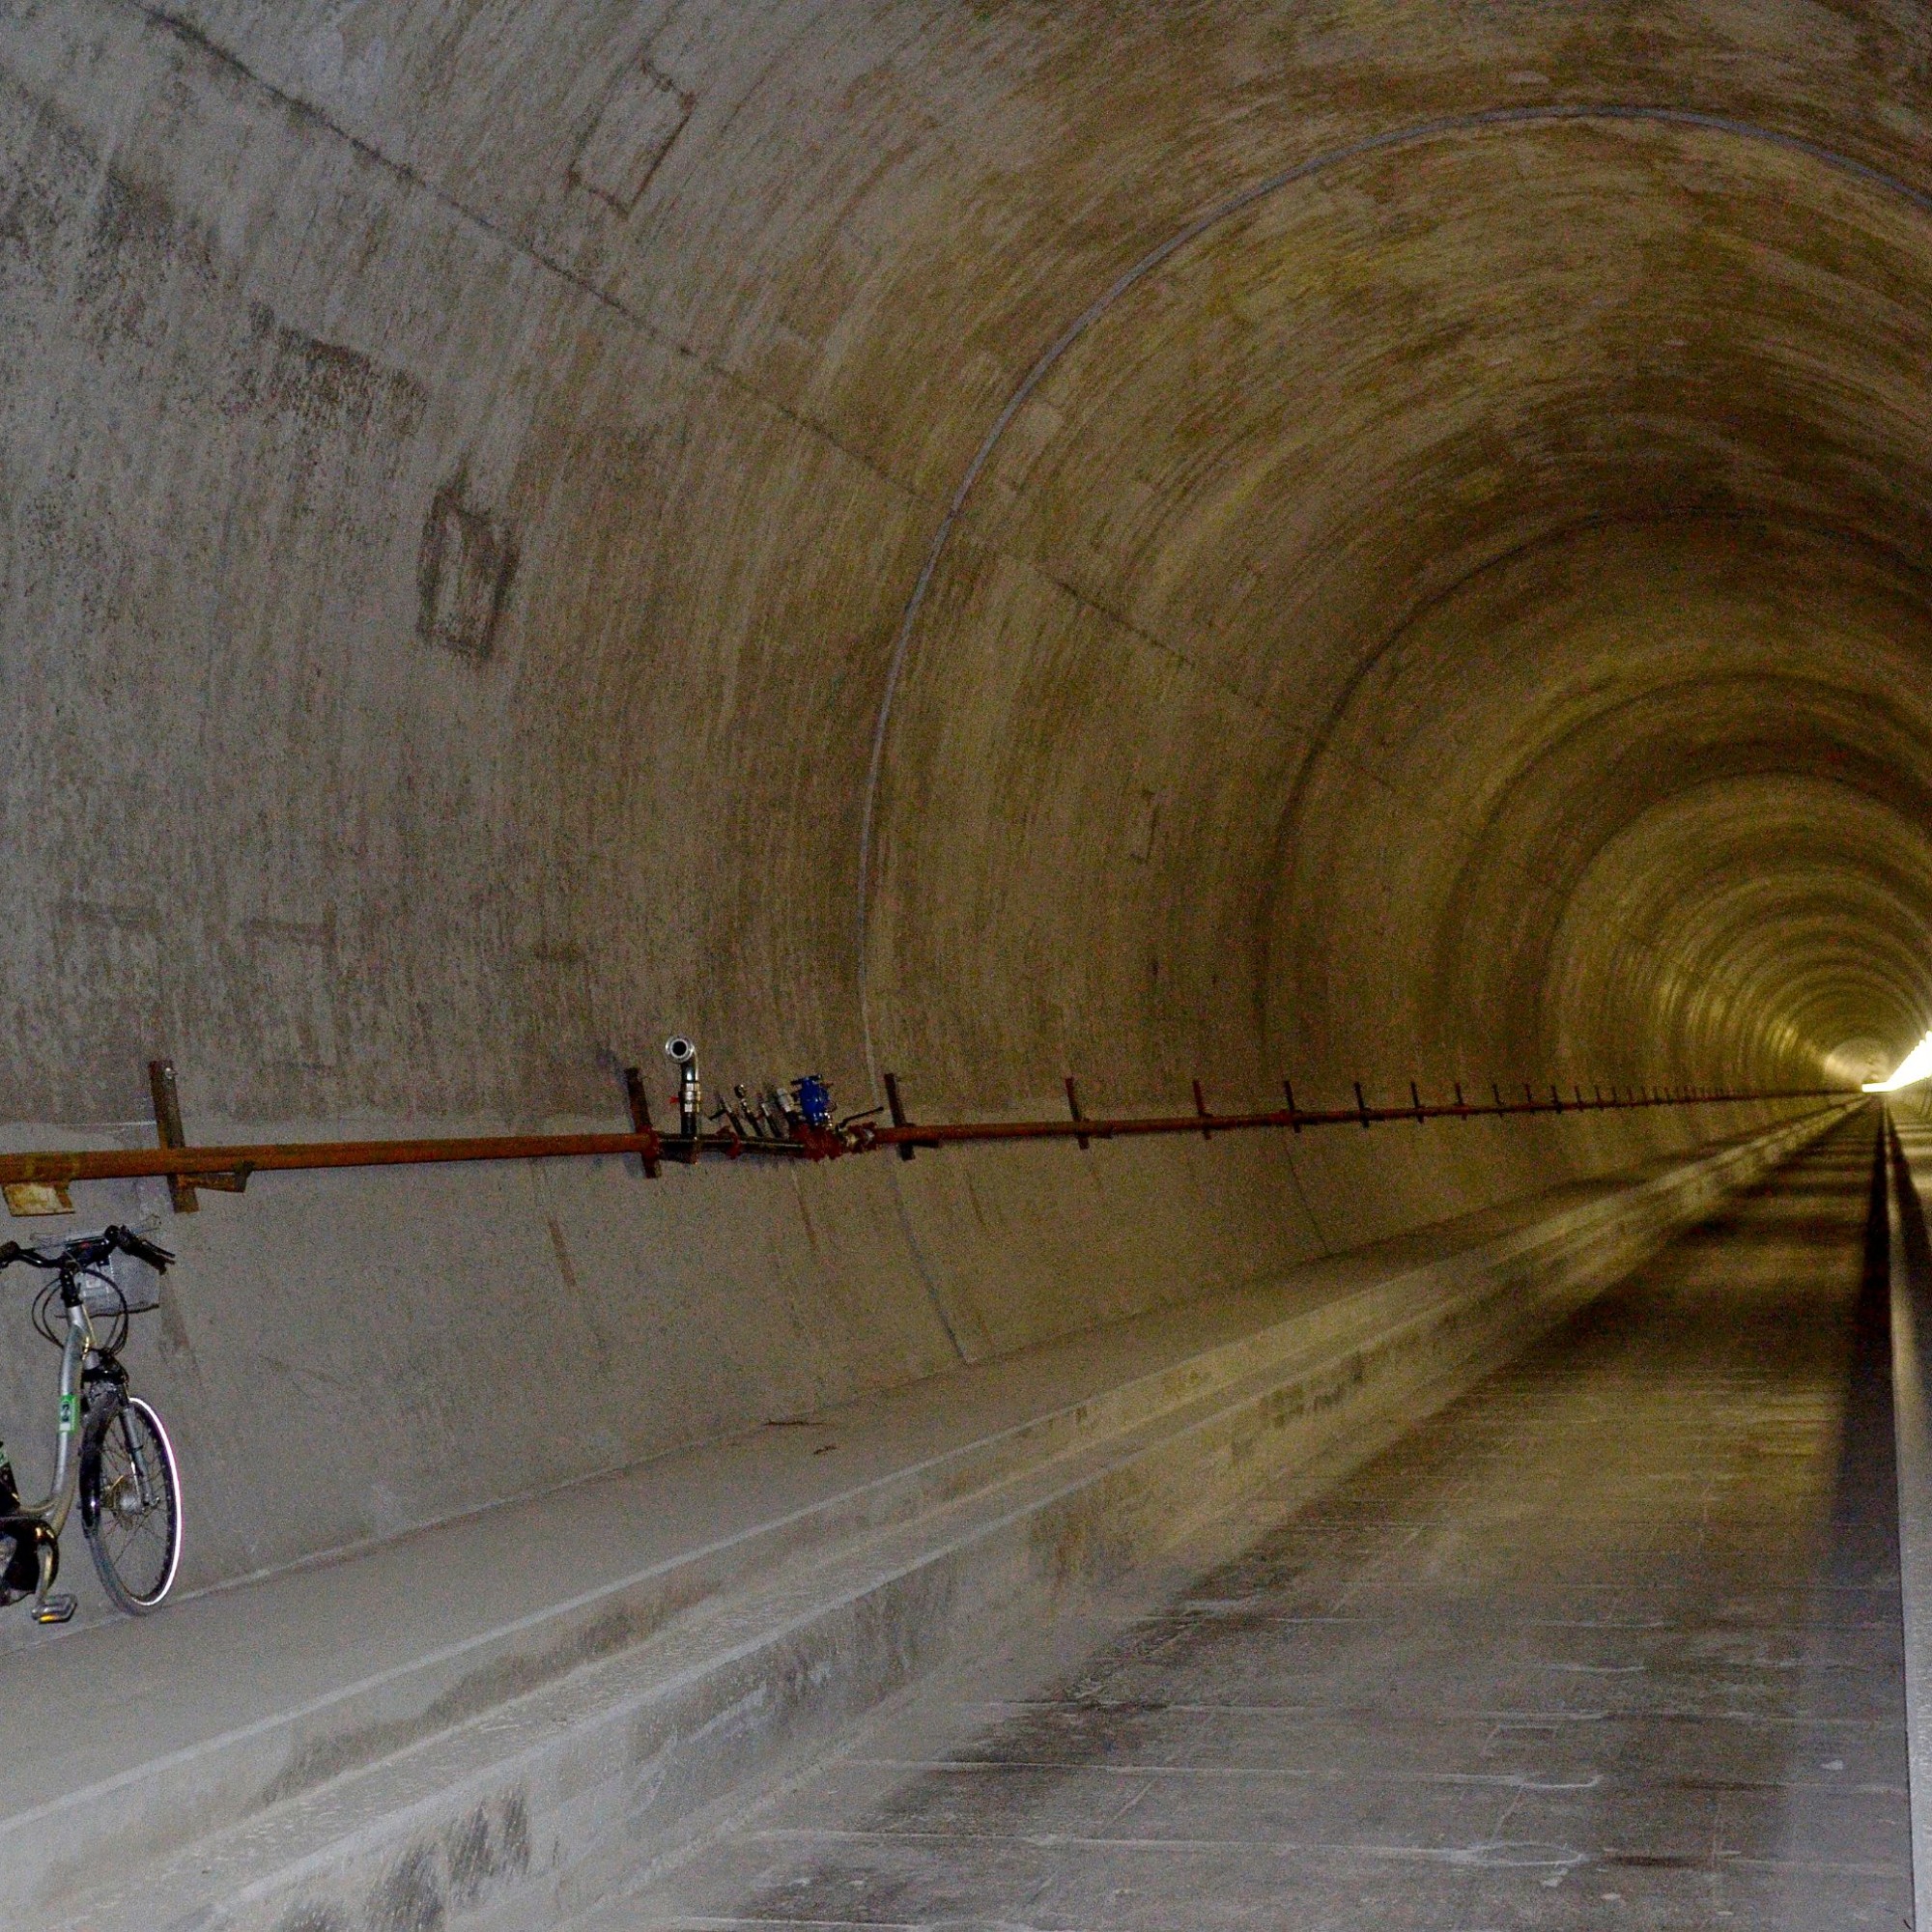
(131, 1243)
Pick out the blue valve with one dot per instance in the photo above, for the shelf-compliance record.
(813, 1098)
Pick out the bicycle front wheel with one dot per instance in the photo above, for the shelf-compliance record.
(130, 1505)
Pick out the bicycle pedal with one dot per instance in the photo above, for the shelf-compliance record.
(56, 1610)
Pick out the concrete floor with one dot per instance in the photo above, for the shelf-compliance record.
(1615, 1640)
(577, 1684)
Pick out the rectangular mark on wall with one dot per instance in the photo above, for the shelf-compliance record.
(294, 967)
(640, 121)
(464, 571)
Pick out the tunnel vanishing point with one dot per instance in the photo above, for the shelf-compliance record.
(1384, 542)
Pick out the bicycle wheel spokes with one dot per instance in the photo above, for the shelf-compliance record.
(133, 1521)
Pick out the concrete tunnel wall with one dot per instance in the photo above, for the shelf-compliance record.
(992, 542)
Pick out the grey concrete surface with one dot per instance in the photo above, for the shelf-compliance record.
(507, 1715)
(1330, 539)
(1613, 1641)
(998, 541)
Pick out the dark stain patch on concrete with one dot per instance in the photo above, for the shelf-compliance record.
(492, 1844)
(494, 1684)
(852, 1892)
(456, 1871)
(410, 1897)
(132, 241)
(30, 219)
(321, 383)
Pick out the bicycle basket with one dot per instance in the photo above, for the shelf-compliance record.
(121, 1281)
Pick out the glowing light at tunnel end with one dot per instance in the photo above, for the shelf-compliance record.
(1917, 1065)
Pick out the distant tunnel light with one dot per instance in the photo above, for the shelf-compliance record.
(1915, 1066)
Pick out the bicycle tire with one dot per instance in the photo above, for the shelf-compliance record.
(130, 1505)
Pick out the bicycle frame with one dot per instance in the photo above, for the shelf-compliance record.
(57, 1505)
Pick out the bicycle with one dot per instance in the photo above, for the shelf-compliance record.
(124, 1473)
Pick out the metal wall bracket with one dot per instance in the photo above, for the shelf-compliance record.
(29, 1198)
(168, 1126)
(897, 1108)
(640, 1116)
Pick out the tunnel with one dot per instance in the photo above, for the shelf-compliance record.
(1309, 622)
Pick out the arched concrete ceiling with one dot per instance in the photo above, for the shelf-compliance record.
(1486, 490)
(1145, 540)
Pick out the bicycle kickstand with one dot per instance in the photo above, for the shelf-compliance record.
(55, 1606)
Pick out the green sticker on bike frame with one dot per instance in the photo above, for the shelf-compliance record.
(67, 1416)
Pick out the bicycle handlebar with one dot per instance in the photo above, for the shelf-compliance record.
(86, 1250)
(142, 1249)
